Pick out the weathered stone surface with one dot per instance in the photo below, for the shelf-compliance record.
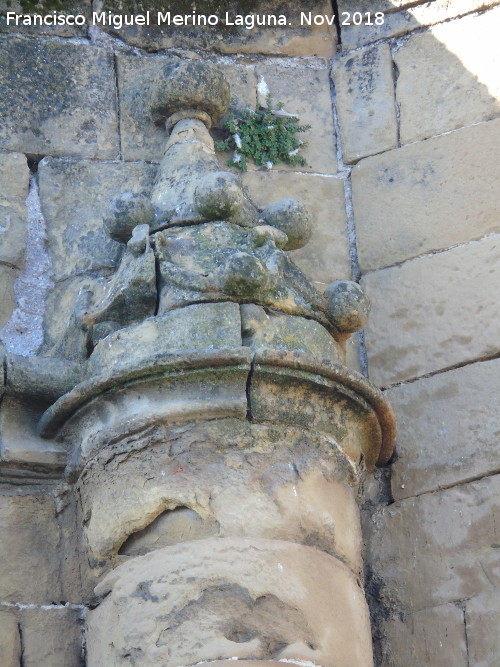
(292, 218)
(8, 277)
(10, 641)
(204, 468)
(230, 597)
(422, 197)
(348, 306)
(295, 38)
(313, 107)
(326, 256)
(304, 399)
(203, 326)
(445, 59)
(62, 338)
(364, 86)
(447, 429)
(436, 548)
(433, 312)
(141, 137)
(77, 239)
(60, 101)
(70, 8)
(14, 184)
(189, 156)
(52, 637)
(19, 441)
(411, 17)
(482, 616)
(30, 535)
(221, 261)
(433, 636)
(272, 330)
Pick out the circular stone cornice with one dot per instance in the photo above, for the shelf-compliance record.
(312, 370)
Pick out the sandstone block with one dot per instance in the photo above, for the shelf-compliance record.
(433, 312)
(202, 478)
(14, 185)
(444, 81)
(201, 326)
(19, 441)
(263, 330)
(8, 277)
(421, 197)
(410, 16)
(326, 256)
(10, 641)
(226, 36)
(447, 429)
(52, 637)
(364, 88)
(75, 195)
(482, 616)
(29, 548)
(313, 106)
(433, 636)
(57, 99)
(141, 137)
(228, 597)
(436, 548)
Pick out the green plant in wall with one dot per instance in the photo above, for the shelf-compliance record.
(267, 135)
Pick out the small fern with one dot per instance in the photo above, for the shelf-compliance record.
(267, 136)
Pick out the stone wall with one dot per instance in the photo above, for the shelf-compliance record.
(418, 114)
(402, 163)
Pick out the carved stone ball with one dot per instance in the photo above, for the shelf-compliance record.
(190, 85)
(348, 307)
(218, 196)
(125, 212)
(244, 275)
(291, 217)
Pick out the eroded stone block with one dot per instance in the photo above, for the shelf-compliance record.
(201, 326)
(364, 88)
(447, 429)
(226, 598)
(19, 440)
(436, 548)
(445, 81)
(433, 312)
(10, 640)
(422, 197)
(285, 493)
(433, 636)
(52, 637)
(29, 548)
(14, 185)
(313, 106)
(482, 615)
(75, 197)
(57, 98)
(326, 256)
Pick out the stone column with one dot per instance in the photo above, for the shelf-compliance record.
(218, 438)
